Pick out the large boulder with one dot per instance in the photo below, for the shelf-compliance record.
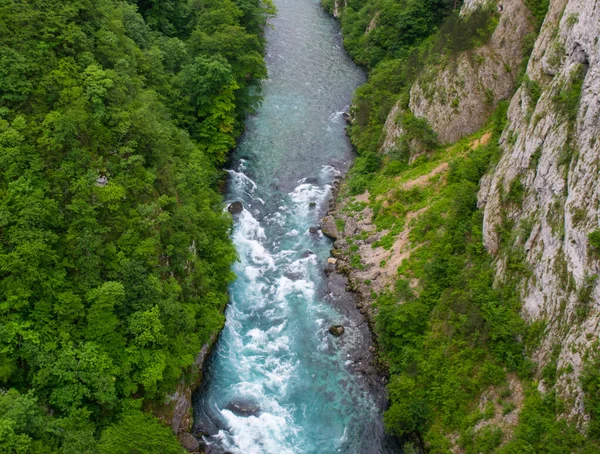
(243, 407)
(235, 208)
(329, 228)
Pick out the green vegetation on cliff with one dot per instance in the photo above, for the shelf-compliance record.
(115, 117)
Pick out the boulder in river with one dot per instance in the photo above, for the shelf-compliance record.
(313, 230)
(347, 117)
(235, 207)
(329, 228)
(337, 330)
(311, 180)
(242, 407)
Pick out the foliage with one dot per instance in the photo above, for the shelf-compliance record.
(460, 333)
(594, 239)
(407, 36)
(568, 98)
(541, 431)
(141, 433)
(538, 8)
(460, 33)
(114, 249)
(590, 381)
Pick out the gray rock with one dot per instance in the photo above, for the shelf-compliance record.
(189, 442)
(560, 200)
(242, 407)
(102, 181)
(236, 208)
(313, 230)
(329, 269)
(351, 227)
(340, 244)
(329, 228)
(372, 239)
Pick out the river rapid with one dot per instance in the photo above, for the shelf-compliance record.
(277, 381)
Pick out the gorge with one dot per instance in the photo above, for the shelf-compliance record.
(355, 226)
(278, 381)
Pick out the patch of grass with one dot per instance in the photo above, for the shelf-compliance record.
(594, 242)
(567, 99)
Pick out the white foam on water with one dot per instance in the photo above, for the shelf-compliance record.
(306, 193)
(242, 182)
(263, 434)
(286, 286)
(336, 117)
(247, 237)
(302, 267)
(330, 171)
(252, 272)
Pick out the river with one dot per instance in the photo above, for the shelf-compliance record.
(278, 382)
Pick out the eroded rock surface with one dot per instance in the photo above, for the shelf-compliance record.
(551, 152)
(458, 96)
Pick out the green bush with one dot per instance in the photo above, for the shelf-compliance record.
(594, 241)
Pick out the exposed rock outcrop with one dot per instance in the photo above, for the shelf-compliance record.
(551, 154)
(329, 228)
(235, 208)
(458, 96)
(541, 200)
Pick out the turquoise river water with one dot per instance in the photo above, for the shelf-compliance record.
(277, 381)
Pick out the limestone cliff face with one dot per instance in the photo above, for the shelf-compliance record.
(543, 197)
(457, 96)
(552, 156)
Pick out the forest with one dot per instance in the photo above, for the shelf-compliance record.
(458, 331)
(116, 118)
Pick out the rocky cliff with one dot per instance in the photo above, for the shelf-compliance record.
(539, 199)
(457, 95)
(551, 156)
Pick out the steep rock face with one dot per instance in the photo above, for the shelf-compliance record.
(546, 186)
(458, 97)
(398, 137)
(392, 130)
(471, 5)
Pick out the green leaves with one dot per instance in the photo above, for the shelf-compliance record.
(76, 375)
(139, 433)
(114, 250)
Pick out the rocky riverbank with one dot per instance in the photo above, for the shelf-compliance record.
(346, 282)
(346, 290)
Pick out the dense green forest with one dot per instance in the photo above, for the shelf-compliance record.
(115, 118)
(458, 332)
